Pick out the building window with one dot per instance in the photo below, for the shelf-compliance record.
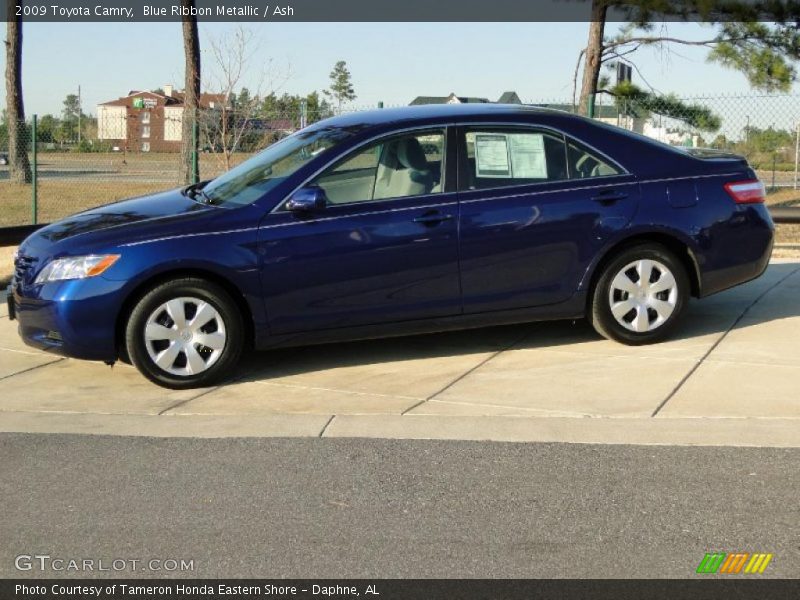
(145, 131)
(145, 146)
(146, 117)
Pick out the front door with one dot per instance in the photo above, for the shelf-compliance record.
(384, 249)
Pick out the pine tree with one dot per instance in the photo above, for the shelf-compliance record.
(341, 89)
(191, 100)
(18, 142)
(761, 40)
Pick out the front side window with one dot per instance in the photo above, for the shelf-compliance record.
(397, 167)
(250, 180)
(498, 158)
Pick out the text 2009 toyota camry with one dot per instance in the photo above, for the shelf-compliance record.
(396, 222)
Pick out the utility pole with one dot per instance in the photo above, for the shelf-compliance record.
(747, 131)
(80, 110)
(796, 153)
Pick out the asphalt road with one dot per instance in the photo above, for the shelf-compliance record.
(382, 508)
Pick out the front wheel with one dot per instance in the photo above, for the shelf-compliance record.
(640, 295)
(185, 333)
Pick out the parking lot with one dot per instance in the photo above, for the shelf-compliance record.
(729, 378)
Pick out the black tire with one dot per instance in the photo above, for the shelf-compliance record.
(601, 314)
(231, 330)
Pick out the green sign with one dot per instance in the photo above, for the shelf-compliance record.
(138, 102)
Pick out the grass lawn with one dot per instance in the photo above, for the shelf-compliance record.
(58, 199)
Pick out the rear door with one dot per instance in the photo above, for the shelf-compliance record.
(535, 208)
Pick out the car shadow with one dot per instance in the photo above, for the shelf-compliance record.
(712, 316)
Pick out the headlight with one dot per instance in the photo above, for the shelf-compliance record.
(76, 267)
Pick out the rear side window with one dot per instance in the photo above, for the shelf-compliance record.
(584, 164)
(498, 158)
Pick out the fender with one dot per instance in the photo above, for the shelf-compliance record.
(642, 233)
(246, 281)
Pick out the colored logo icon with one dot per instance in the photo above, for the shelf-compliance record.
(733, 563)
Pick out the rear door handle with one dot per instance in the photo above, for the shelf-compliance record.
(608, 197)
(433, 217)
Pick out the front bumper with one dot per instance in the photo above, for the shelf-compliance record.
(12, 306)
(74, 318)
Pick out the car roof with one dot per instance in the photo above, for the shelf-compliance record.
(636, 153)
(426, 112)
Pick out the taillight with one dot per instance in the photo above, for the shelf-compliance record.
(750, 191)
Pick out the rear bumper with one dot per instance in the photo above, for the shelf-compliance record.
(70, 318)
(741, 252)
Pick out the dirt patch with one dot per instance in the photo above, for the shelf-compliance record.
(6, 265)
(787, 234)
(787, 197)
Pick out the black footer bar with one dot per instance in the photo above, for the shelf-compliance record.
(398, 589)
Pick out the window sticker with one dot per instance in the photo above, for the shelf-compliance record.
(491, 155)
(510, 156)
(528, 159)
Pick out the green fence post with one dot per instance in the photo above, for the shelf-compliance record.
(34, 168)
(590, 107)
(195, 160)
(774, 160)
(380, 104)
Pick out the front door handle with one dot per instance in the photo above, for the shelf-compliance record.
(608, 197)
(433, 217)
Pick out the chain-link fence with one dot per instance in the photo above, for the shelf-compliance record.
(763, 128)
(123, 153)
(127, 151)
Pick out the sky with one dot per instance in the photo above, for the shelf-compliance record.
(389, 62)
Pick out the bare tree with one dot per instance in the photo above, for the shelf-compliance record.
(233, 120)
(19, 166)
(191, 94)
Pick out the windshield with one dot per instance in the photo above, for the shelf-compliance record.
(250, 180)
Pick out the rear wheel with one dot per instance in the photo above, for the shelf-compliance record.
(185, 333)
(640, 295)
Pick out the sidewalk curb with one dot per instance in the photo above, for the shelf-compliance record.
(199, 426)
(751, 432)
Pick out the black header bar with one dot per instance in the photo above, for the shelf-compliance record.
(265, 11)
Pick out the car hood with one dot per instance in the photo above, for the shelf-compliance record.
(163, 206)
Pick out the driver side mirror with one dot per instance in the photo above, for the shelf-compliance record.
(307, 199)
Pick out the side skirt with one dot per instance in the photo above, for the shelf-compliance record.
(574, 308)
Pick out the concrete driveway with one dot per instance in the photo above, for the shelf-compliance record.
(731, 377)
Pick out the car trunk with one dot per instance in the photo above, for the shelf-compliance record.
(713, 156)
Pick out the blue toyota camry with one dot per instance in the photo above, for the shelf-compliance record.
(395, 222)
